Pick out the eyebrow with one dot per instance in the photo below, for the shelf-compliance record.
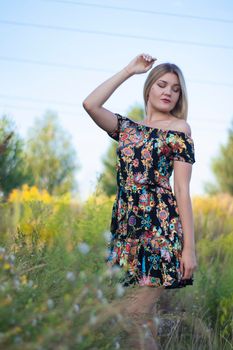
(164, 81)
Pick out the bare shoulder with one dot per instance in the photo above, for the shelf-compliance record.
(181, 125)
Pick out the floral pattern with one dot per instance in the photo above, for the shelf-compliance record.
(146, 231)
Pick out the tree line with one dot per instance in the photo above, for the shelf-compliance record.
(48, 160)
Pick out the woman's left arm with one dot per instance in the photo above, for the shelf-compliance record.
(186, 215)
(182, 176)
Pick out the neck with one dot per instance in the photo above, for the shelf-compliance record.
(157, 117)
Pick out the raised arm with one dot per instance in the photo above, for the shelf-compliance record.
(93, 103)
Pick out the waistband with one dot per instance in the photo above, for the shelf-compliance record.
(151, 187)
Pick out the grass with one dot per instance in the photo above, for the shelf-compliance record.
(57, 292)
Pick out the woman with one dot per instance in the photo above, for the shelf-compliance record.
(152, 227)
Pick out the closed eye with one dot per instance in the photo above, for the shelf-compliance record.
(163, 86)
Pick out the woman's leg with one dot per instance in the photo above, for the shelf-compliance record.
(139, 307)
(142, 299)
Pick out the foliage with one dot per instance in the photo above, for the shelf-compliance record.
(50, 157)
(222, 168)
(12, 165)
(56, 290)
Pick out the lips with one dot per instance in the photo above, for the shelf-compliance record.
(165, 100)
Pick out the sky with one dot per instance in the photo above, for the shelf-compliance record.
(53, 53)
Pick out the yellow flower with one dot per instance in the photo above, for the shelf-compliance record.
(6, 266)
(23, 279)
(27, 194)
(8, 300)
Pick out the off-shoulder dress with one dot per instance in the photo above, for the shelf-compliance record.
(146, 231)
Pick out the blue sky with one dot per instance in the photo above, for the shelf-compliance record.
(53, 53)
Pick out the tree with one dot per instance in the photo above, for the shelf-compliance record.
(107, 179)
(50, 157)
(12, 165)
(222, 167)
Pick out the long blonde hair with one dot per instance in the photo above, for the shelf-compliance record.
(181, 108)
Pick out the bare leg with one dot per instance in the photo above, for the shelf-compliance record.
(139, 306)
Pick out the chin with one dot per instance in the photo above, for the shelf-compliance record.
(165, 110)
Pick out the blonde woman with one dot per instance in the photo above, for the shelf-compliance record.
(152, 226)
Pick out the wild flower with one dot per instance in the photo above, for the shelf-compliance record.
(93, 319)
(76, 308)
(30, 283)
(156, 320)
(117, 345)
(23, 279)
(107, 235)
(99, 294)
(50, 304)
(119, 290)
(83, 248)
(70, 276)
(34, 322)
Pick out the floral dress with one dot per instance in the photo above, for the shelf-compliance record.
(146, 231)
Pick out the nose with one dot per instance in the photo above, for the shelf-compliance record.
(167, 91)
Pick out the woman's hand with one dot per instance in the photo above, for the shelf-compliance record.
(140, 64)
(188, 263)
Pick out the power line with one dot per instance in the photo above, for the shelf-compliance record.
(25, 108)
(104, 33)
(149, 12)
(39, 100)
(77, 67)
(213, 121)
(51, 64)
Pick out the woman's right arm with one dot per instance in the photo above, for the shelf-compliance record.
(104, 118)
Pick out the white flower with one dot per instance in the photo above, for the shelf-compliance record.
(34, 322)
(156, 320)
(117, 345)
(16, 283)
(70, 276)
(12, 257)
(76, 308)
(93, 319)
(119, 290)
(30, 283)
(99, 294)
(50, 303)
(107, 235)
(83, 248)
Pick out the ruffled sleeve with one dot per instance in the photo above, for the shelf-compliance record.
(183, 148)
(115, 134)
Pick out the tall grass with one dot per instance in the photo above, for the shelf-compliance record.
(57, 292)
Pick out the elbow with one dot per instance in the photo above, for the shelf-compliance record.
(86, 105)
(182, 190)
(89, 107)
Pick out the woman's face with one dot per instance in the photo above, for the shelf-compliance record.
(165, 92)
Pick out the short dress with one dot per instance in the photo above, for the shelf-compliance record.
(146, 231)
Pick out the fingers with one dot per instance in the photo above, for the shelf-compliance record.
(185, 271)
(148, 58)
(181, 267)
